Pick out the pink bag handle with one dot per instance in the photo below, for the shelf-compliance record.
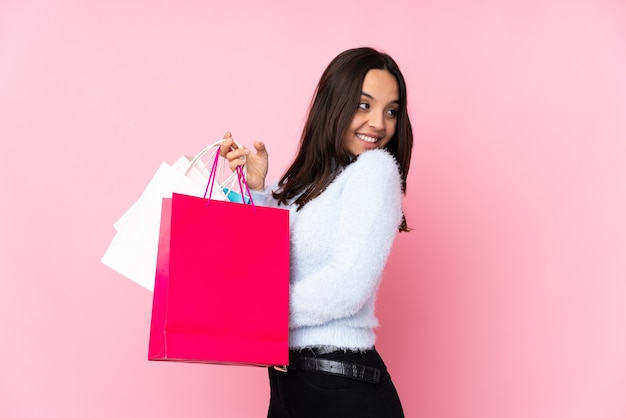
(241, 178)
(201, 154)
(198, 159)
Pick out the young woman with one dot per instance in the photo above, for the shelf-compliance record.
(344, 192)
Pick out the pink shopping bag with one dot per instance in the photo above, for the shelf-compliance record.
(221, 292)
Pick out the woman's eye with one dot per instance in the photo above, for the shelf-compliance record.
(392, 113)
(364, 106)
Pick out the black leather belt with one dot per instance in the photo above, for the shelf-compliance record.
(340, 368)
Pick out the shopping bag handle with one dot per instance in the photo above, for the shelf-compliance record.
(231, 180)
(201, 154)
(241, 178)
(215, 146)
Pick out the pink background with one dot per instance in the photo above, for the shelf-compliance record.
(507, 300)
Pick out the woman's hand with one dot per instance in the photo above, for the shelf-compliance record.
(256, 163)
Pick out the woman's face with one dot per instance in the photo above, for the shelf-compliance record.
(374, 122)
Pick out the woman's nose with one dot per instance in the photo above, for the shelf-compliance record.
(376, 120)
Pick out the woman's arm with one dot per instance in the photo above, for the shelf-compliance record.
(368, 223)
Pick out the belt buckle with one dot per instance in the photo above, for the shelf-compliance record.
(282, 369)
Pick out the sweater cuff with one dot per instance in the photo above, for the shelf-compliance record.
(261, 197)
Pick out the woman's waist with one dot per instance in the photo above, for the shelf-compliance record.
(338, 335)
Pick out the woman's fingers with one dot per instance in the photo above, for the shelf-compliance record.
(233, 153)
(260, 148)
(225, 146)
(238, 162)
(238, 156)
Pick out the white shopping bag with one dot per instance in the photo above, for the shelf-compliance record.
(165, 181)
(133, 250)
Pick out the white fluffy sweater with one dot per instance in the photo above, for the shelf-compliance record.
(340, 242)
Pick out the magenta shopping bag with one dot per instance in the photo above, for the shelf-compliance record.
(221, 292)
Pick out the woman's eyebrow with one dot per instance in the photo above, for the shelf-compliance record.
(366, 94)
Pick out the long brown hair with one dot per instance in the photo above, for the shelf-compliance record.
(321, 154)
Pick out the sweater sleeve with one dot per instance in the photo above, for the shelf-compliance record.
(264, 197)
(371, 211)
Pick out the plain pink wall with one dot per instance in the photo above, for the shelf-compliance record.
(507, 300)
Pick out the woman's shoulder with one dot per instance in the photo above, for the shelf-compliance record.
(377, 161)
(374, 170)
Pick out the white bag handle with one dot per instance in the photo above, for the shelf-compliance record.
(201, 154)
(230, 181)
(238, 174)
